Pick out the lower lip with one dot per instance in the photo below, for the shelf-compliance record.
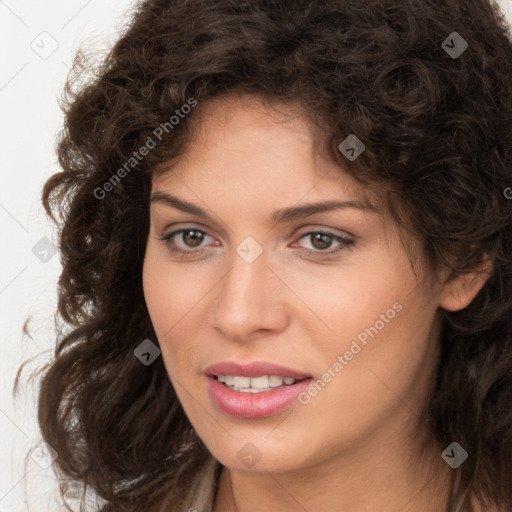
(255, 405)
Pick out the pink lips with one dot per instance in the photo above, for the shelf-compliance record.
(253, 370)
(255, 405)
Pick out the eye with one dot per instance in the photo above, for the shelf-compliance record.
(190, 241)
(186, 241)
(321, 241)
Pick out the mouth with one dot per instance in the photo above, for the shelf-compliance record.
(256, 369)
(255, 390)
(258, 384)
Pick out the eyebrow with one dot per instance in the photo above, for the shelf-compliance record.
(279, 216)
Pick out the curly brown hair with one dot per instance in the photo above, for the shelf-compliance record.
(437, 130)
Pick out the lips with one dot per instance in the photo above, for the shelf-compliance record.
(256, 369)
(257, 403)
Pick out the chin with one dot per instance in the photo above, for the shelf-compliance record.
(257, 455)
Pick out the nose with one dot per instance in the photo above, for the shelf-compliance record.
(249, 301)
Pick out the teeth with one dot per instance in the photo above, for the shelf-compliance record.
(255, 384)
(259, 382)
(275, 381)
(249, 390)
(242, 382)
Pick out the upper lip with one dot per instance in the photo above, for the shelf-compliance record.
(254, 369)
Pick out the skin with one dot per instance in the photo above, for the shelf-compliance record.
(355, 447)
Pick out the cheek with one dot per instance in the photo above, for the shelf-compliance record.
(170, 294)
(344, 302)
(386, 352)
(173, 299)
(376, 317)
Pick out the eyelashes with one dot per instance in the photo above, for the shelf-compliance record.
(196, 237)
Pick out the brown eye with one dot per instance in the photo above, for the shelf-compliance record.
(188, 242)
(321, 240)
(193, 237)
(320, 244)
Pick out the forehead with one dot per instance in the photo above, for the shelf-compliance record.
(247, 145)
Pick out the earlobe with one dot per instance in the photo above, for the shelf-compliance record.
(460, 289)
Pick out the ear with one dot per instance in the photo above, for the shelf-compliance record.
(460, 289)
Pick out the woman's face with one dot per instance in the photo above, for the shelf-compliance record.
(263, 278)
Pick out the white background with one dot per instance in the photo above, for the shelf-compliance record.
(31, 82)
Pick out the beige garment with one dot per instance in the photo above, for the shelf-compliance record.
(201, 494)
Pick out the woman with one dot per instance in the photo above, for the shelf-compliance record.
(287, 260)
